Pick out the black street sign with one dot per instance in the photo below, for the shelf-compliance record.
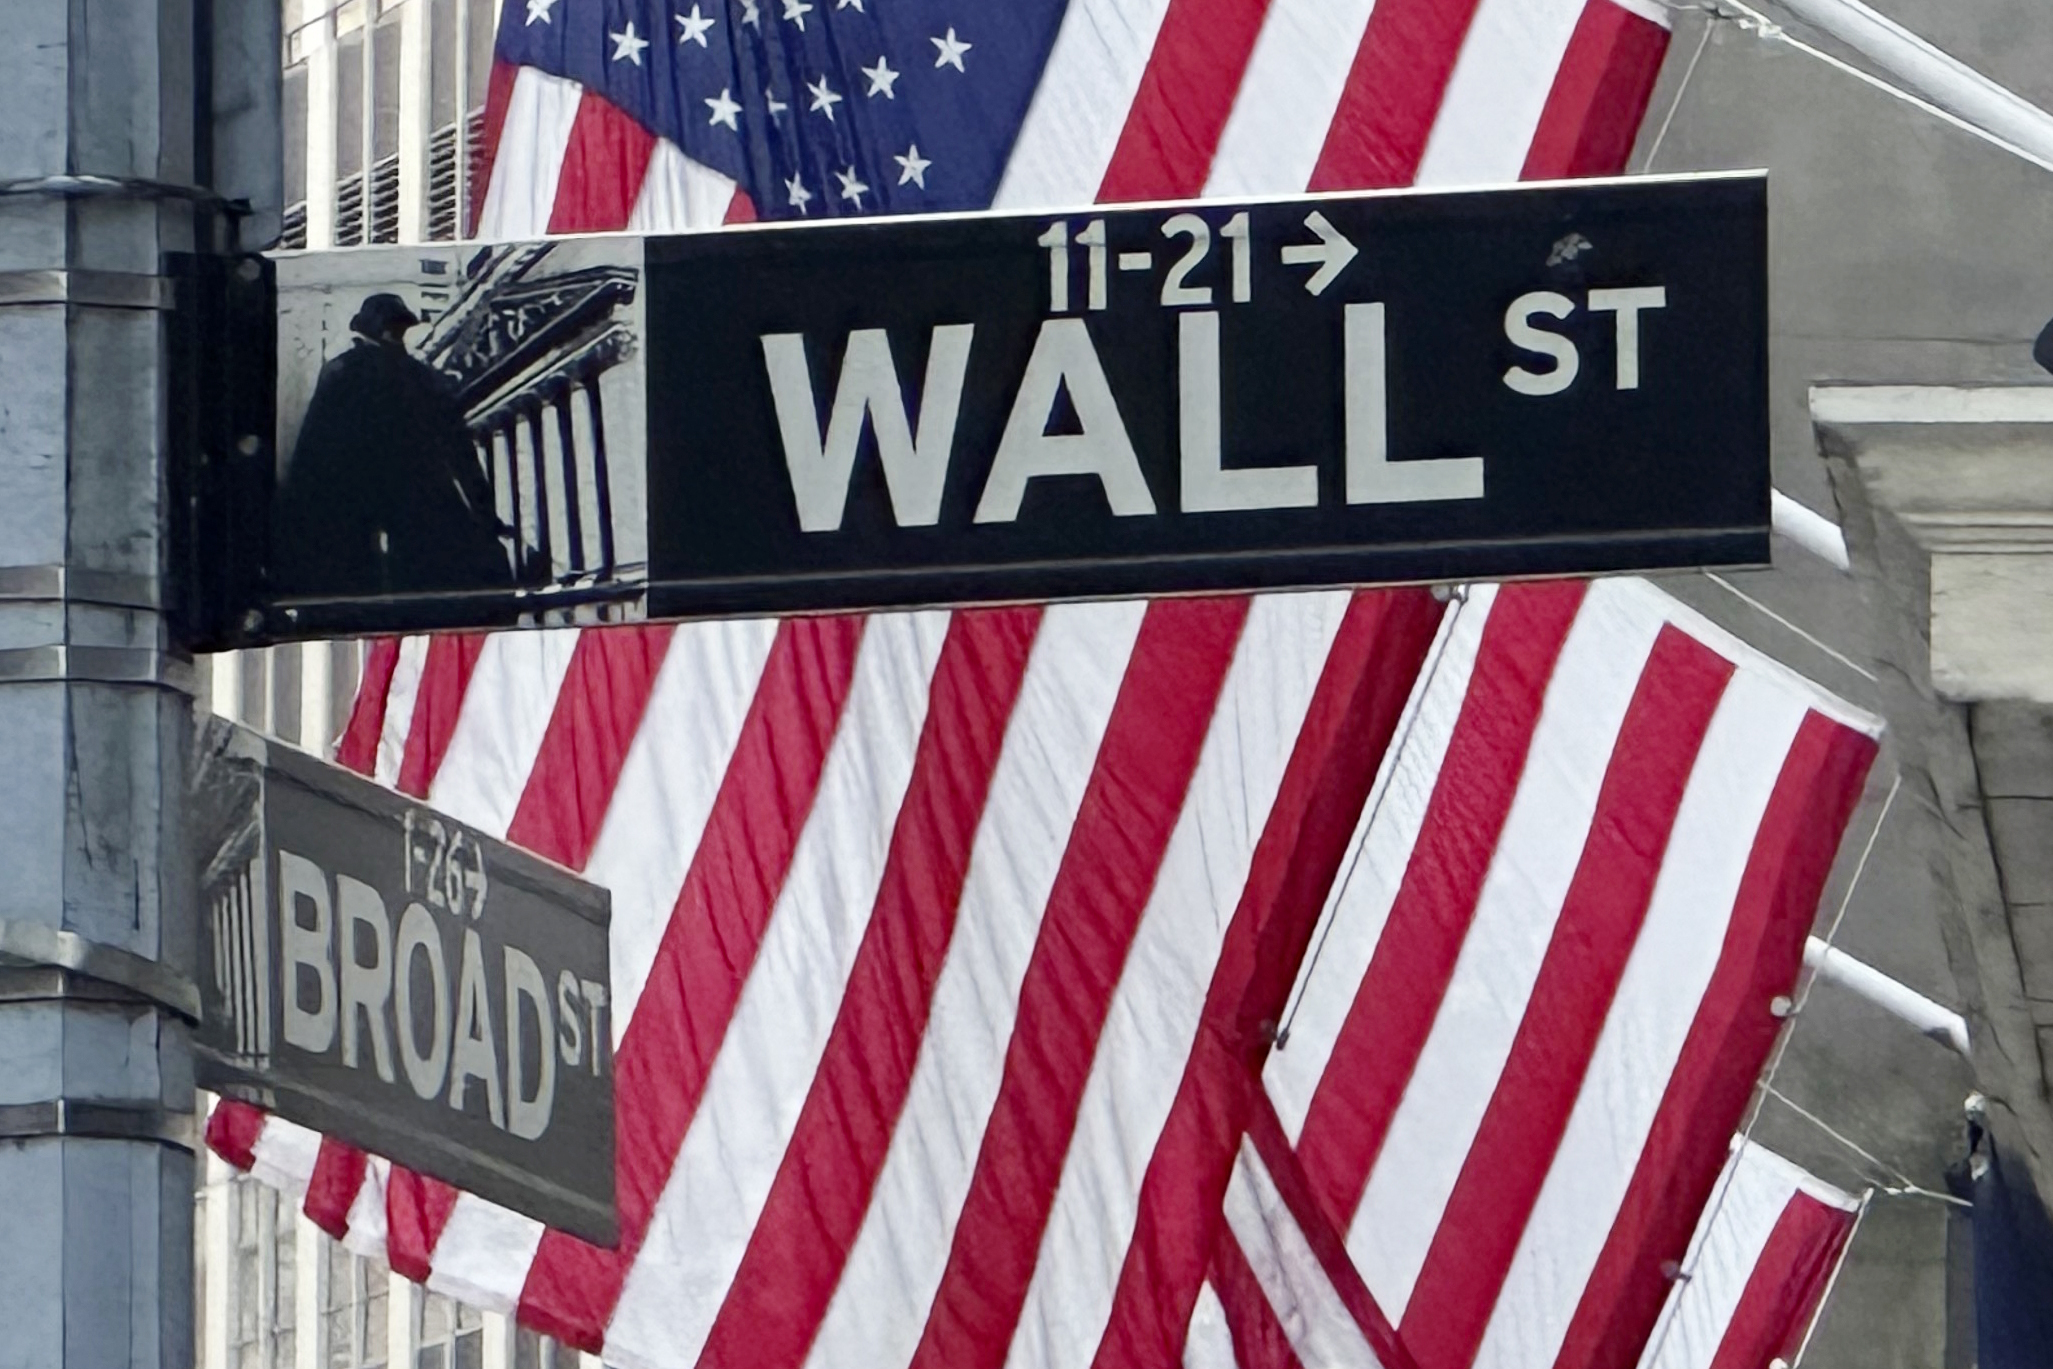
(1328, 390)
(380, 972)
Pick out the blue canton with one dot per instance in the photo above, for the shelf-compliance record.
(815, 107)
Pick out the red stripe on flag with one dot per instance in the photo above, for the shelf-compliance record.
(599, 708)
(1258, 1338)
(704, 958)
(358, 747)
(232, 1131)
(445, 676)
(1600, 921)
(1393, 94)
(1368, 675)
(1116, 846)
(1600, 94)
(795, 1255)
(1728, 1043)
(740, 209)
(498, 95)
(1287, 1172)
(331, 1192)
(1787, 1284)
(1400, 993)
(416, 1210)
(603, 168)
(1172, 129)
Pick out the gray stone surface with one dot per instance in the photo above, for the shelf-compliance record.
(1903, 250)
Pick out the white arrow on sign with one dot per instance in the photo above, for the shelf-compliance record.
(1331, 253)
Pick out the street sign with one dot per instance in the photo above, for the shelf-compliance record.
(1220, 395)
(382, 973)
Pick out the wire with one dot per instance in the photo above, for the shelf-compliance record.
(1767, 1084)
(1396, 757)
(1832, 931)
(1681, 89)
(1749, 19)
(1817, 1315)
(1816, 641)
(1905, 1185)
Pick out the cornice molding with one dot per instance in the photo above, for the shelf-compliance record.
(1968, 472)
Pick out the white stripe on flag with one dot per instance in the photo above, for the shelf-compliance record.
(284, 1156)
(1079, 109)
(879, 1308)
(484, 1254)
(1536, 858)
(1498, 91)
(735, 1144)
(1288, 96)
(399, 698)
(366, 1234)
(499, 729)
(1155, 1010)
(674, 767)
(1378, 855)
(1665, 978)
(529, 159)
(679, 195)
(1209, 1342)
(1307, 1306)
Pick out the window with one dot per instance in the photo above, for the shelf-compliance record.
(447, 1335)
(260, 1315)
(354, 1296)
(533, 1350)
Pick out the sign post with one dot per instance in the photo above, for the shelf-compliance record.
(378, 971)
(1184, 398)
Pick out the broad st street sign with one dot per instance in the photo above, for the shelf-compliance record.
(381, 973)
(1329, 390)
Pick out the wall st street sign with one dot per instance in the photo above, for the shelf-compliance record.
(379, 972)
(1329, 390)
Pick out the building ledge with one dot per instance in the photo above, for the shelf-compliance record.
(1968, 471)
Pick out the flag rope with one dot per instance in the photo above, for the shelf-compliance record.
(1392, 759)
(1766, 1086)
(1750, 20)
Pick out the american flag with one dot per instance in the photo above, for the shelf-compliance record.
(1761, 1263)
(1335, 978)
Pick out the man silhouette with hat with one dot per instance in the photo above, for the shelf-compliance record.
(383, 493)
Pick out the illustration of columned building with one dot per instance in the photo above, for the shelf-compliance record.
(532, 349)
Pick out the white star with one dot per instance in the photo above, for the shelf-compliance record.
(796, 11)
(539, 9)
(628, 44)
(951, 49)
(824, 99)
(915, 167)
(772, 103)
(844, 4)
(851, 188)
(691, 28)
(800, 196)
(750, 15)
(882, 78)
(724, 110)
